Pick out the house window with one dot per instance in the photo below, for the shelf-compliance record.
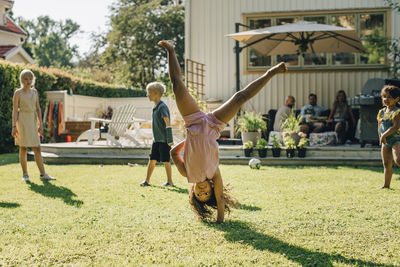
(372, 35)
(370, 27)
(291, 60)
(256, 59)
(345, 21)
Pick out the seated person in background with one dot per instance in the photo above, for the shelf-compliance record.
(340, 116)
(309, 114)
(283, 113)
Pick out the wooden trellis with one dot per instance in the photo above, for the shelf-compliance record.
(195, 77)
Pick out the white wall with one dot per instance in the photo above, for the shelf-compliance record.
(207, 23)
(9, 38)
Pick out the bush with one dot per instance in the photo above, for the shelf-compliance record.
(47, 79)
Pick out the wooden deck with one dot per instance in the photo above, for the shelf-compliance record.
(82, 153)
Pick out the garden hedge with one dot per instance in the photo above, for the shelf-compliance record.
(47, 79)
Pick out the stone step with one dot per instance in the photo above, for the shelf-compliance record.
(52, 158)
(224, 150)
(72, 153)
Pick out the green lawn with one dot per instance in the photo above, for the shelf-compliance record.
(92, 215)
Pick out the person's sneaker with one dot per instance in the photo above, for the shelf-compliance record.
(25, 178)
(167, 184)
(144, 183)
(46, 177)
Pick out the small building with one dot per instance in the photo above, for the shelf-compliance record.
(208, 22)
(11, 36)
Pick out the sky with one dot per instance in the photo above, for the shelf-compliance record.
(91, 15)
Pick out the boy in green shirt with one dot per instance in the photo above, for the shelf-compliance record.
(162, 133)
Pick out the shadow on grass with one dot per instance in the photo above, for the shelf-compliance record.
(173, 189)
(9, 205)
(248, 207)
(10, 158)
(241, 232)
(52, 191)
(396, 170)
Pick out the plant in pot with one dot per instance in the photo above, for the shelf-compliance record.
(262, 147)
(290, 146)
(248, 148)
(250, 125)
(291, 126)
(276, 146)
(301, 146)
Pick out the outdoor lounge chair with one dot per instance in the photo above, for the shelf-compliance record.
(116, 127)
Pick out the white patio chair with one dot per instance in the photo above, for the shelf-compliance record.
(117, 126)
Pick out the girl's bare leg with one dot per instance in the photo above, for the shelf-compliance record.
(23, 159)
(185, 102)
(230, 108)
(387, 159)
(38, 159)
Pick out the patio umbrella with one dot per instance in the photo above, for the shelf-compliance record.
(302, 37)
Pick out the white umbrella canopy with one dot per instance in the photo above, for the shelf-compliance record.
(303, 37)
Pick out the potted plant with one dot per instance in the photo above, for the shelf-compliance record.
(301, 146)
(250, 125)
(290, 146)
(291, 126)
(276, 146)
(248, 148)
(262, 147)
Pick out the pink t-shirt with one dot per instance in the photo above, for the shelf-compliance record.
(201, 155)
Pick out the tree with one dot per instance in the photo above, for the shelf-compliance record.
(136, 27)
(49, 41)
(394, 46)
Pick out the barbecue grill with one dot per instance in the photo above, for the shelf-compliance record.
(370, 102)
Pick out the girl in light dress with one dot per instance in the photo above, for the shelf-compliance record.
(27, 123)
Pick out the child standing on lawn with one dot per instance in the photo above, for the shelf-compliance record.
(388, 130)
(162, 133)
(27, 123)
(201, 156)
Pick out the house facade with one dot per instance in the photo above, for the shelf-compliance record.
(209, 21)
(11, 36)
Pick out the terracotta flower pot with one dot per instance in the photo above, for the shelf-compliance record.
(250, 136)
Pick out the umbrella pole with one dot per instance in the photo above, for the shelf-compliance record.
(237, 50)
(237, 53)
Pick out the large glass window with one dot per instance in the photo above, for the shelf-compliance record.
(291, 60)
(256, 59)
(370, 27)
(320, 58)
(345, 21)
(372, 35)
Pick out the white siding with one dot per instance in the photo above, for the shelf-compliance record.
(208, 21)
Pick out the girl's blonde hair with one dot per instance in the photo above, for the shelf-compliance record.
(27, 72)
(156, 86)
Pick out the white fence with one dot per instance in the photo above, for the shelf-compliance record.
(80, 108)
